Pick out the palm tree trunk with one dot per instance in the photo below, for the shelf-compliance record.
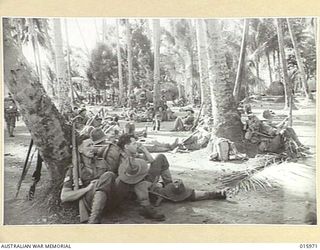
(129, 49)
(121, 90)
(156, 44)
(43, 120)
(227, 122)
(188, 80)
(203, 69)
(69, 63)
(63, 90)
(242, 59)
(299, 62)
(269, 66)
(284, 67)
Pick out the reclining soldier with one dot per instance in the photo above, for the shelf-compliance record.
(139, 172)
(270, 137)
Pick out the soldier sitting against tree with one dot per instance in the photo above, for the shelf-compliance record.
(271, 137)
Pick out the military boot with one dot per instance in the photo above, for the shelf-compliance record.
(98, 204)
(221, 195)
(150, 212)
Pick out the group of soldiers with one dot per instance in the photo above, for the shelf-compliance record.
(118, 165)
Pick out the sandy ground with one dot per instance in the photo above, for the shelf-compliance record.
(284, 203)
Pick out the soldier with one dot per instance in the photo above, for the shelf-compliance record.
(139, 174)
(98, 171)
(185, 123)
(10, 114)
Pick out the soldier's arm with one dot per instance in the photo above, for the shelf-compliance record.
(68, 194)
(147, 154)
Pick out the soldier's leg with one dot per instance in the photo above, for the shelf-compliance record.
(178, 124)
(207, 195)
(103, 190)
(142, 191)
(160, 167)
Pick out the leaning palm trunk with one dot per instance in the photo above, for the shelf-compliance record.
(299, 62)
(287, 85)
(242, 66)
(227, 122)
(45, 123)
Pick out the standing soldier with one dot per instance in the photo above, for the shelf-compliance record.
(10, 114)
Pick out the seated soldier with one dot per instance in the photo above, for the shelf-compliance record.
(177, 192)
(185, 123)
(81, 119)
(98, 171)
(171, 115)
(270, 137)
(139, 174)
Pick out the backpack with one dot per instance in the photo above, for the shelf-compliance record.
(219, 149)
(107, 159)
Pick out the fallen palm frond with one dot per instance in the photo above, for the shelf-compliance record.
(246, 179)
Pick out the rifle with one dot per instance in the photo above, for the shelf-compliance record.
(197, 120)
(25, 167)
(184, 140)
(94, 117)
(84, 216)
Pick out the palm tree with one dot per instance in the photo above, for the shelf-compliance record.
(46, 125)
(156, 44)
(226, 120)
(63, 88)
(121, 89)
(299, 61)
(284, 67)
(129, 51)
(206, 87)
(242, 60)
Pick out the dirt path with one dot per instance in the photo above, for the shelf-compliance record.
(280, 205)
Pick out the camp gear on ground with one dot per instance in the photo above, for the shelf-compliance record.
(220, 149)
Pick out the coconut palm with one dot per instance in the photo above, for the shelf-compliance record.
(129, 54)
(206, 87)
(45, 123)
(299, 60)
(156, 44)
(121, 89)
(227, 123)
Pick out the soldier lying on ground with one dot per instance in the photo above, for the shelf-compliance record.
(185, 123)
